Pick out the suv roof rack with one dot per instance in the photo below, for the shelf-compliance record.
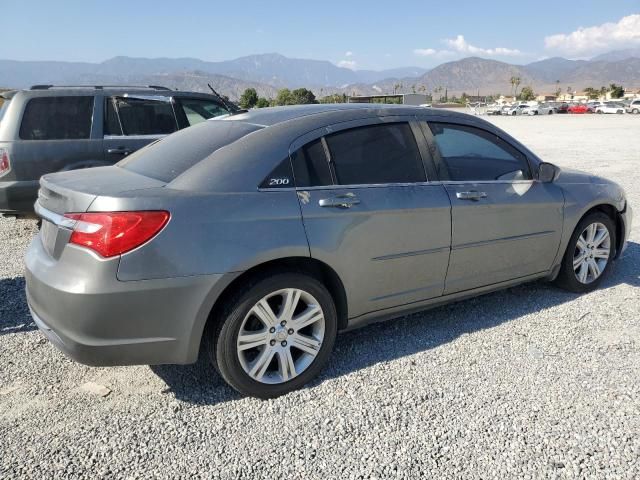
(100, 87)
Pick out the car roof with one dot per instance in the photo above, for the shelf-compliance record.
(271, 116)
(54, 90)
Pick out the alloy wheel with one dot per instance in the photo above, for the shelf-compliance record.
(592, 251)
(281, 336)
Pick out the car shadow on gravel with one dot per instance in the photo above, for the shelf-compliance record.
(383, 342)
(14, 313)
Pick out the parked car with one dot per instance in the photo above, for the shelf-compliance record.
(50, 129)
(521, 109)
(562, 107)
(634, 106)
(494, 109)
(547, 109)
(263, 234)
(578, 108)
(611, 107)
(591, 106)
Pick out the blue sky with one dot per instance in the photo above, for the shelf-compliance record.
(355, 34)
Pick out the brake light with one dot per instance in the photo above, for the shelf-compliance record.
(5, 165)
(114, 233)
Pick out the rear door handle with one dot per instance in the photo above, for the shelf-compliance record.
(120, 151)
(347, 200)
(471, 195)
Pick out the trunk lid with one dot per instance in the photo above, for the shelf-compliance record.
(74, 191)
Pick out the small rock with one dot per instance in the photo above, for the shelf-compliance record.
(95, 389)
(8, 390)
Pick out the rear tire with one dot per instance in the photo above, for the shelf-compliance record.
(275, 365)
(635, 110)
(590, 251)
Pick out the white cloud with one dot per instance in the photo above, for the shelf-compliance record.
(347, 64)
(625, 33)
(459, 44)
(348, 53)
(425, 52)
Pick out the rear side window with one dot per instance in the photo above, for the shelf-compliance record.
(376, 154)
(310, 165)
(57, 118)
(140, 116)
(168, 158)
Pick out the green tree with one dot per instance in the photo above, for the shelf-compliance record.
(302, 96)
(249, 98)
(616, 91)
(284, 97)
(262, 102)
(527, 94)
(515, 82)
(592, 93)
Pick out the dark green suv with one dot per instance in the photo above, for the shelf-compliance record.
(53, 128)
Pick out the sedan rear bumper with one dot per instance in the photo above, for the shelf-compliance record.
(98, 320)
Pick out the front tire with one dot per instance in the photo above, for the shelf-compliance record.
(276, 336)
(589, 254)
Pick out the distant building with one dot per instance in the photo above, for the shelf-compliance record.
(547, 97)
(398, 99)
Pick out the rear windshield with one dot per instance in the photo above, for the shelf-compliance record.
(168, 158)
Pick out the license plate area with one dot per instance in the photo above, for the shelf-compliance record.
(48, 235)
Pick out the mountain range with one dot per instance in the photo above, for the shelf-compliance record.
(269, 72)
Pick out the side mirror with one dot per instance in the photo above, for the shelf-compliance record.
(547, 172)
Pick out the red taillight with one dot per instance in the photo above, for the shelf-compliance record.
(5, 165)
(114, 233)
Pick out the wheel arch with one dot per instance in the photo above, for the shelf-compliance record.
(612, 212)
(307, 265)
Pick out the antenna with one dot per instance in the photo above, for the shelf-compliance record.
(233, 110)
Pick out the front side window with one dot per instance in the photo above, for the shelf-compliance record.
(473, 154)
(57, 118)
(376, 154)
(141, 116)
(198, 110)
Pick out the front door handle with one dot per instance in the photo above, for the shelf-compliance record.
(120, 151)
(346, 200)
(472, 195)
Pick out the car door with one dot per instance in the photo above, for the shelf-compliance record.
(370, 213)
(504, 224)
(131, 122)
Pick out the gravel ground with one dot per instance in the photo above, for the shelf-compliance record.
(531, 382)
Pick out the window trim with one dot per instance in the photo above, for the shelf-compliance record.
(443, 173)
(322, 132)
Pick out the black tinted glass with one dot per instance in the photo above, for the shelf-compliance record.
(175, 154)
(146, 117)
(57, 118)
(472, 154)
(376, 154)
(111, 122)
(310, 166)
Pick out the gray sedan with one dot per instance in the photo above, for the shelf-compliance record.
(260, 235)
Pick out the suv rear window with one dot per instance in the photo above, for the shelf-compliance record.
(57, 118)
(168, 158)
